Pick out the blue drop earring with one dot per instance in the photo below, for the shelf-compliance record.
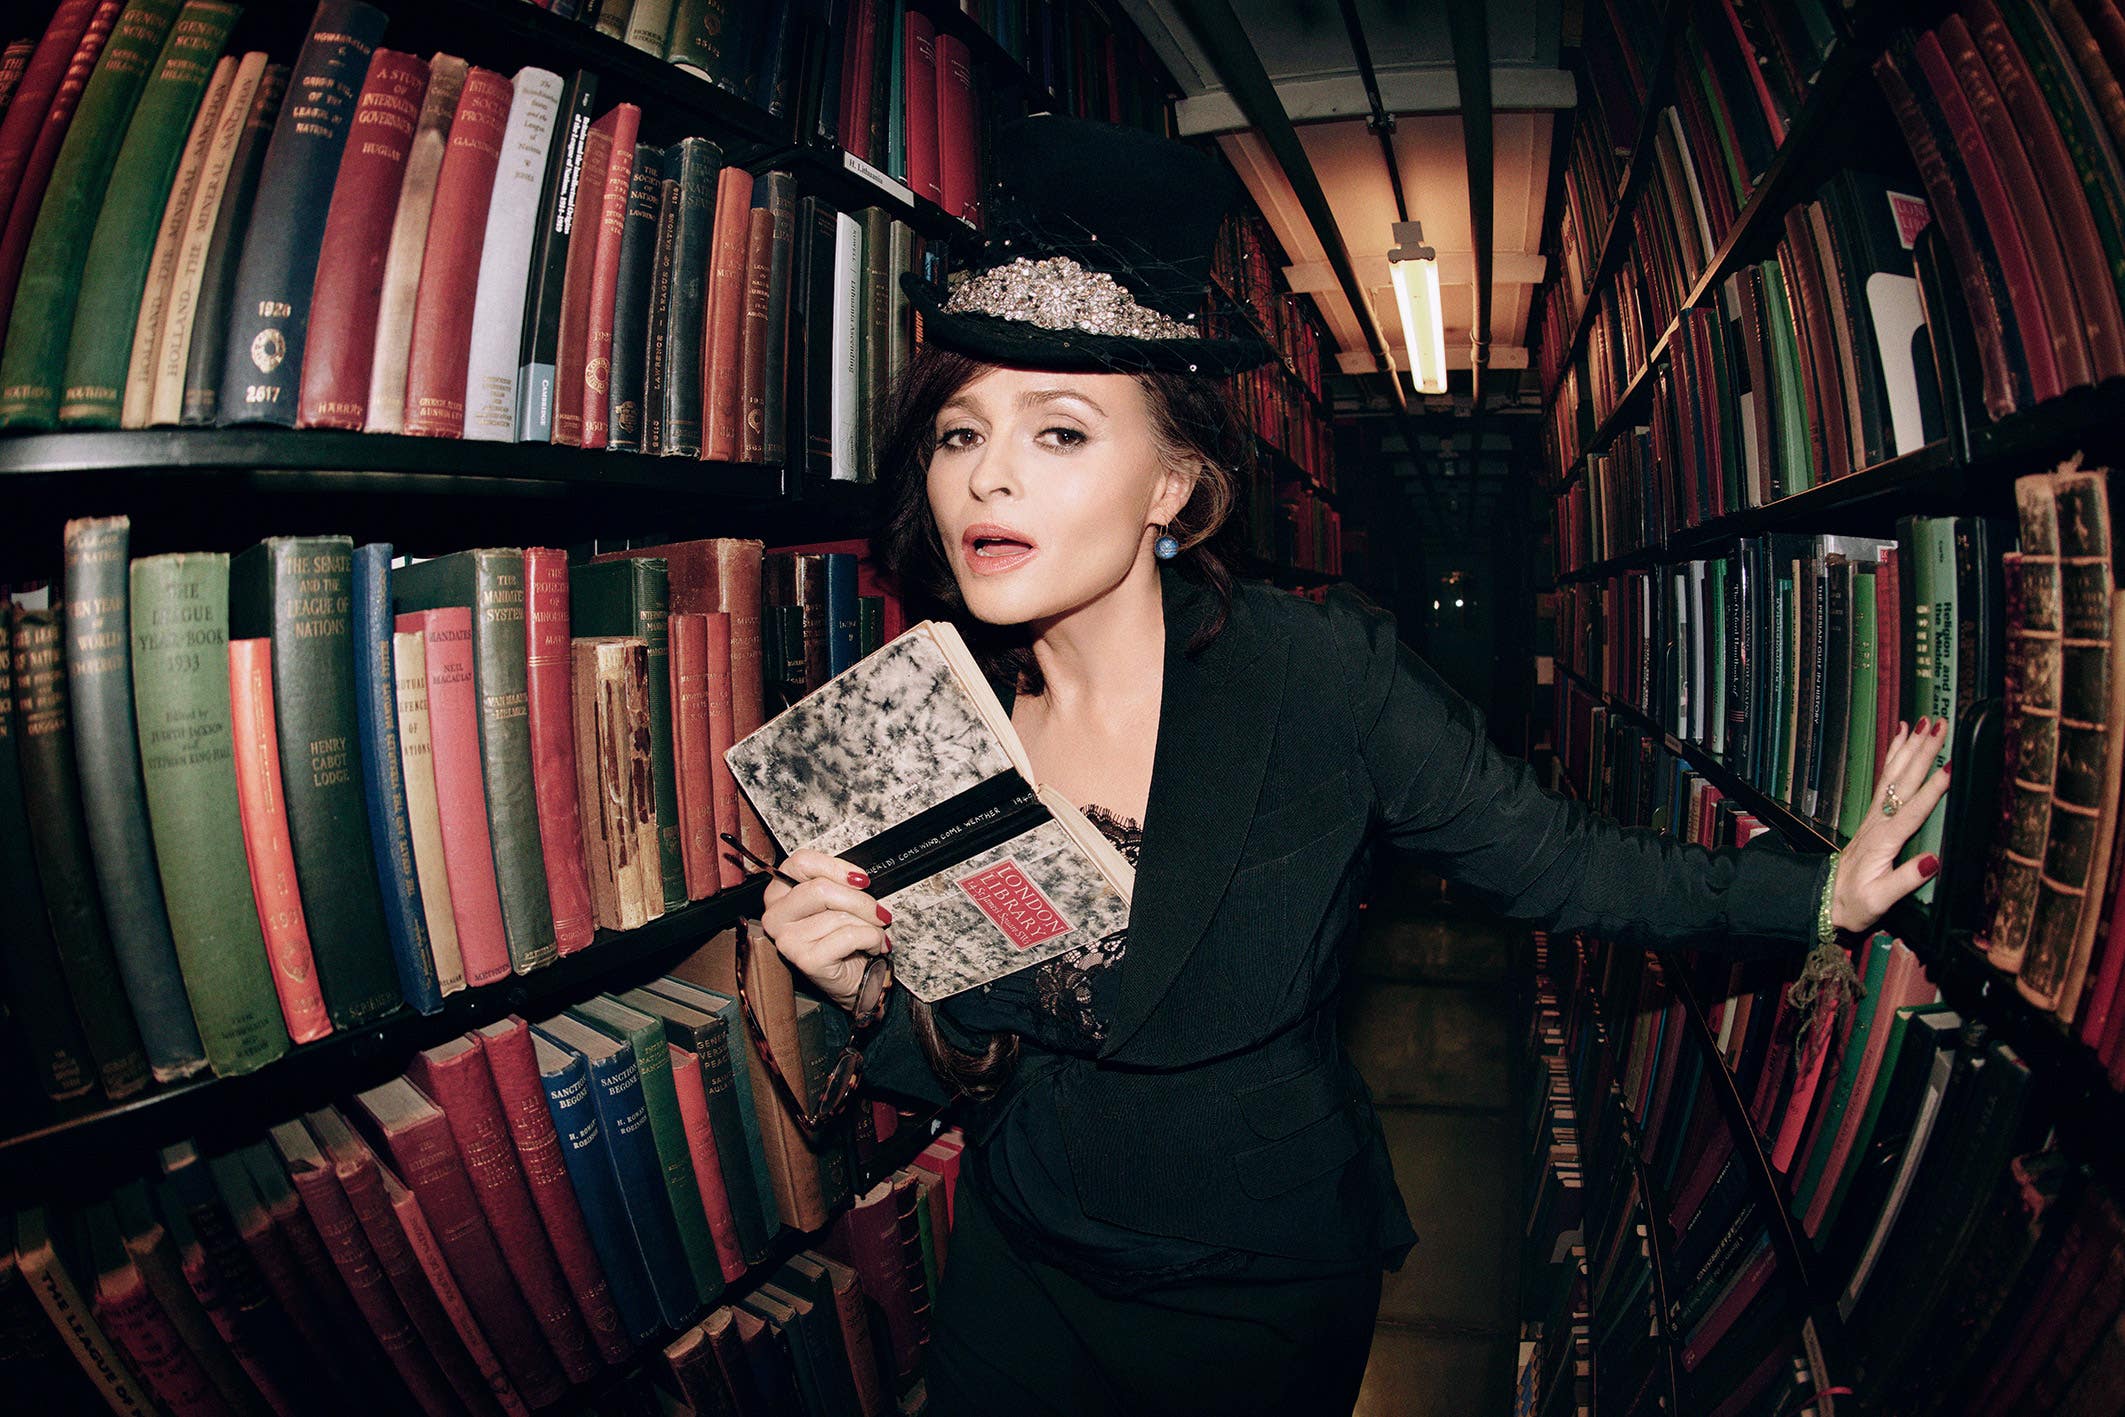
(1167, 546)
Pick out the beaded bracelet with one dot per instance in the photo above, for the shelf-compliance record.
(1828, 968)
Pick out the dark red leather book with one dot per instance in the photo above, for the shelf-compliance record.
(456, 1079)
(858, 48)
(753, 372)
(514, 1067)
(450, 262)
(30, 104)
(723, 786)
(415, 1132)
(1819, 372)
(707, 1165)
(576, 283)
(867, 1238)
(724, 1340)
(1888, 658)
(722, 337)
(596, 373)
(40, 144)
(957, 142)
(553, 746)
(350, 260)
(920, 107)
(693, 749)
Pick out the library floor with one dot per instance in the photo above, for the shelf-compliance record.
(1427, 1018)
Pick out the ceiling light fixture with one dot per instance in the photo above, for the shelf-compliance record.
(1415, 270)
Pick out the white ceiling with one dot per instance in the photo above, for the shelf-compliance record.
(1306, 50)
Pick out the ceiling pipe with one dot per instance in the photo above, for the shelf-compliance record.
(1468, 22)
(1381, 121)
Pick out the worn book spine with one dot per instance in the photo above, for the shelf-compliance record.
(269, 314)
(827, 1150)
(815, 337)
(99, 347)
(875, 333)
(416, 756)
(649, 26)
(585, 1151)
(107, 757)
(691, 750)
(553, 756)
(422, 1240)
(30, 104)
(631, 597)
(290, 1314)
(440, 352)
(386, 408)
(845, 355)
(605, 279)
(698, 164)
(129, 1313)
(919, 57)
(357, 239)
(267, 850)
(59, 844)
(723, 784)
(708, 1173)
(778, 194)
(573, 336)
(49, 1278)
(539, 340)
(14, 60)
(198, 393)
(505, 257)
(35, 982)
(180, 620)
(654, 366)
(628, 395)
(752, 338)
(299, 592)
(461, 805)
(383, 780)
(143, 359)
(47, 292)
(2039, 651)
(595, 667)
(723, 334)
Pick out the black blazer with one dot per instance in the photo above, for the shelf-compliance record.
(1221, 1105)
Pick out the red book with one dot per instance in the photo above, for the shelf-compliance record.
(956, 161)
(721, 1328)
(596, 373)
(428, 1254)
(124, 1305)
(576, 285)
(350, 258)
(1737, 1298)
(920, 106)
(266, 847)
(851, 1308)
(708, 1170)
(692, 750)
(202, 1277)
(460, 790)
(857, 53)
(723, 786)
(553, 746)
(1888, 656)
(515, 1070)
(1905, 984)
(722, 335)
(455, 1077)
(867, 1238)
(415, 1132)
(450, 262)
(752, 335)
(30, 145)
(941, 1159)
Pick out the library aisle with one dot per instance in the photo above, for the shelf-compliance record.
(1427, 1017)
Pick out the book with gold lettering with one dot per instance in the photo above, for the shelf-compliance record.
(907, 765)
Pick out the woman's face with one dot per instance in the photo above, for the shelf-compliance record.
(1044, 486)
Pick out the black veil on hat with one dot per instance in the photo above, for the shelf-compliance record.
(1096, 257)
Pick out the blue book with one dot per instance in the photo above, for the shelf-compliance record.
(723, 1006)
(773, 1365)
(384, 779)
(623, 1118)
(774, 1305)
(566, 1076)
(843, 643)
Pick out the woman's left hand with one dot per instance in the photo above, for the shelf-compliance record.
(1868, 879)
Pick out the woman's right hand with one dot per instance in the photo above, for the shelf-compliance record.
(826, 927)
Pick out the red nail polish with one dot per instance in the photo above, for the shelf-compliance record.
(1923, 720)
(1946, 766)
(885, 917)
(1929, 865)
(858, 879)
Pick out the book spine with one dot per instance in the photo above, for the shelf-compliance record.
(383, 779)
(605, 278)
(502, 660)
(269, 311)
(39, 1264)
(428, 1252)
(722, 783)
(653, 360)
(730, 1108)
(957, 178)
(691, 751)
(653, 1062)
(698, 166)
(597, 777)
(513, 1064)
(349, 290)
(127, 1310)
(722, 336)
(644, 882)
(287, 1302)
(818, 236)
(845, 355)
(99, 349)
(31, 101)
(553, 756)
(539, 342)
(209, 1292)
(107, 758)
(649, 26)
(738, 594)
(827, 1151)
(781, 202)
(170, 235)
(573, 335)
(385, 409)
(199, 383)
(59, 844)
(585, 1151)
(628, 395)
(851, 1307)
(461, 796)
(652, 623)
(416, 758)
(40, 317)
(624, 1121)
(701, 1151)
(439, 354)
(752, 337)
(920, 119)
(267, 850)
(505, 257)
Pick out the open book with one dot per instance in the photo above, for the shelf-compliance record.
(906, 765)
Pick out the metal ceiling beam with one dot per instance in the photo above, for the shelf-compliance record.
(1323, 98)
(1469, 24)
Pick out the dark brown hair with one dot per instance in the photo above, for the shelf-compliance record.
(1195, 421)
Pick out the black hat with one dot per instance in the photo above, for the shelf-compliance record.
(1096, 256)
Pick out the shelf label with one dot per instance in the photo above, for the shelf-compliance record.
(899, 191)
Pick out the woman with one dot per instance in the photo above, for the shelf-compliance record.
(1177, 1195)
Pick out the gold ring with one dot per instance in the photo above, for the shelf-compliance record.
(1895, 800)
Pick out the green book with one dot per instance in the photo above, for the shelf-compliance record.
(1864, 707)
(100, 349)
(1863, 1137)
(830, 1150)
(632, 596)
(188, 764)
(298, 592)
(652, 1053)
(1794, 471)
(33, 357)
(1715, 639)
(1877, 965)
(725, 1007)
(490, 583)
(923, 1182)
(1933, 663)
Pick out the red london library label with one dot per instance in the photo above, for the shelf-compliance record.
(1007, 895)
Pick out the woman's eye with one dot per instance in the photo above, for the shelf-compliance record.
(944, 439)
(1071, 437)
